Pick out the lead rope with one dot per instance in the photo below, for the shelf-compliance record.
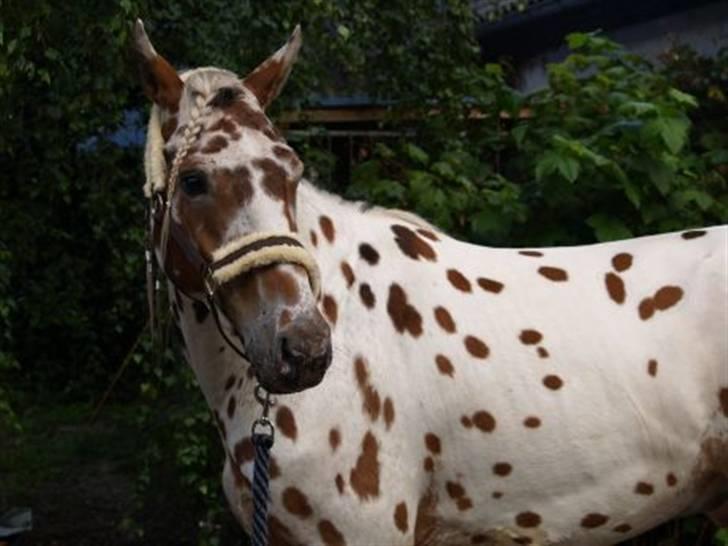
(263, 434)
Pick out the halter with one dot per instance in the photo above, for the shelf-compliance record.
(231, 260)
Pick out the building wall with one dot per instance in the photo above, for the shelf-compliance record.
(705, 28)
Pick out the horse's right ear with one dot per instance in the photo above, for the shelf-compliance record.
(159, 80)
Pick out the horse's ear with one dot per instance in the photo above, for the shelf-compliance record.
(268, 79)
(159, 80)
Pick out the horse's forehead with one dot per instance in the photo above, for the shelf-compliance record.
(207, 81)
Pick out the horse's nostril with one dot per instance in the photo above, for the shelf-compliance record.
(289, 355)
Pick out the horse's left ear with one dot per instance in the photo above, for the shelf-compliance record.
(268, 79)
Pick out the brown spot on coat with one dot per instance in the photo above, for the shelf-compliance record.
(340, 483)
(484, 421)
(553, 382)
(671, 479)
(244, 451)
(388, 412)
(226, 125)
(169, 127)
(400, 517)
(615, 287)
(457, 492)
(296, 502)
(286, 422)
(278, 186)
(530, 337)
(330, 308)
(723, 398)
(593, 520)
(692, 234)
(497, 494)
(429, 464)
(286, 154)
(404, 316)
(230, 382)
(476, 347)
(652, 367)
(231, 406)
(466, 421)
(367, 296)
(502, 469)
(279, 283)
(531, 253)
(532, 422)
(489, 285)
(667, 296)
(432, 442)
(334, 438)
(428, 234)
(348, 274)
(646, 308)
(663, 299)
(411, 244)
(644, 488)
(370, 397)
(425, 520)
(279, 534)
(327, 228)
(555, 274)
(622, 261)
(542, 352)
(458, 280)
(364, 477)
(369, 254)
(444, 365)
(313, 237)
(528, 520)
(622, 528)
(214, 145)
(330, 534)
(445, 320)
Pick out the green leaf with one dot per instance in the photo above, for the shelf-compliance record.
(568, 167)
(661, 176)
(683, 98)
(416, 153)
(519, 133)
(608, 228)
(343, 31)
(576, 40)
(547, 164)
(631, 190)
(672, 130)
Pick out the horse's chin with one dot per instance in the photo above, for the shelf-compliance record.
(278, 383)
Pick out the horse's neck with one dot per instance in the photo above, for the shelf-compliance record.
(319, 211)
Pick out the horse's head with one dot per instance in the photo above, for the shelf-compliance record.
(224, 184)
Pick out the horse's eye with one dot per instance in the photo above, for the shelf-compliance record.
(193, 183)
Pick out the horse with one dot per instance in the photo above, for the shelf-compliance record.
(430, 391)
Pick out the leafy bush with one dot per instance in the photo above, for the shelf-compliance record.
(604, 152)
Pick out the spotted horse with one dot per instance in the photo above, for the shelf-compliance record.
(473, 395)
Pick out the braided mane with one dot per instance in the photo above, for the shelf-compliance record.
(200, 83)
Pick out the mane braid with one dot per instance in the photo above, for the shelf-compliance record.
(190, 136)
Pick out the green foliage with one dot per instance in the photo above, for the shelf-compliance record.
(603, 152)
